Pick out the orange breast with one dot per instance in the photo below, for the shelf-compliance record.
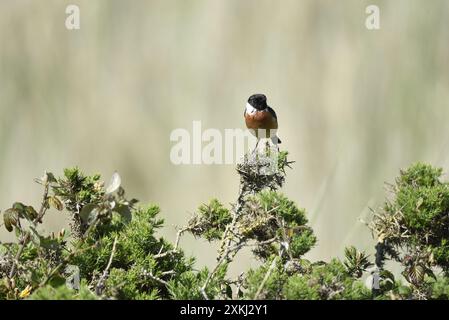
(260, 120)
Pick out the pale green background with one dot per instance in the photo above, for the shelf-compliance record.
(354, 105)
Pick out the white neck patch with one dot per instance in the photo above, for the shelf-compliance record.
(250, 109)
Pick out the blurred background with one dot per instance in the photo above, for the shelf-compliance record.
(354, 105)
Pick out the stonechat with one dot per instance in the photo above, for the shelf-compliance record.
(261, 119)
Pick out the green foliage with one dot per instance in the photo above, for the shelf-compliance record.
(440, 288)
(117, 255)
(112, 250)
(134, 266)
(272, 287)
(356, 262)
(211, 221)
(413, 227)
(62, 292)
(319, 281)
(187, 286)
(77, 189)
(270, 215)
(424, 201)
(328, 281)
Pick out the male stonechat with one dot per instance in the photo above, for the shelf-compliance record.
(261, 119)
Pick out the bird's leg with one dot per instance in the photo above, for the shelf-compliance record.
(267, 143)
(267, 148)
(256, 131)
(257, 143)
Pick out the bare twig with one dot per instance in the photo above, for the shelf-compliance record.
(163, 282)
(178, 237)
(212, 274)
(265, 279)
(175, 250)
(100, 285)
(254, 244)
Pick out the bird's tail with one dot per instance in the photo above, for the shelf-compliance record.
(276, 140)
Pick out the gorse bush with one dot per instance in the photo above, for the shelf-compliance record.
(112, 252)
(413, 228)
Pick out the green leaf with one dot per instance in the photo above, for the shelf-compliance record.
(55, 203)
(124, 211)
(46, 242)
(49, 243)
(20, 207)
(31, 212)
(10, 218)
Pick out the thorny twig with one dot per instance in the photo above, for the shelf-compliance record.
(175, 250)
(225, 242)
(251, 182)
(255, 244)
(163, 282)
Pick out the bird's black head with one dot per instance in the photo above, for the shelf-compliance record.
(258, 101)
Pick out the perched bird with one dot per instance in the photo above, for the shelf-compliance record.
(261, 119)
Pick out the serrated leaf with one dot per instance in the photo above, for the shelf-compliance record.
(55, 203)
(114, 184)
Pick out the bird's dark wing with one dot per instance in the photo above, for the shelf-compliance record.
(270, 110)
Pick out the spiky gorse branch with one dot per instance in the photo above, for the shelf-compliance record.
(111, 251)
(261, 218)
(111, 247)
(413, 227)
